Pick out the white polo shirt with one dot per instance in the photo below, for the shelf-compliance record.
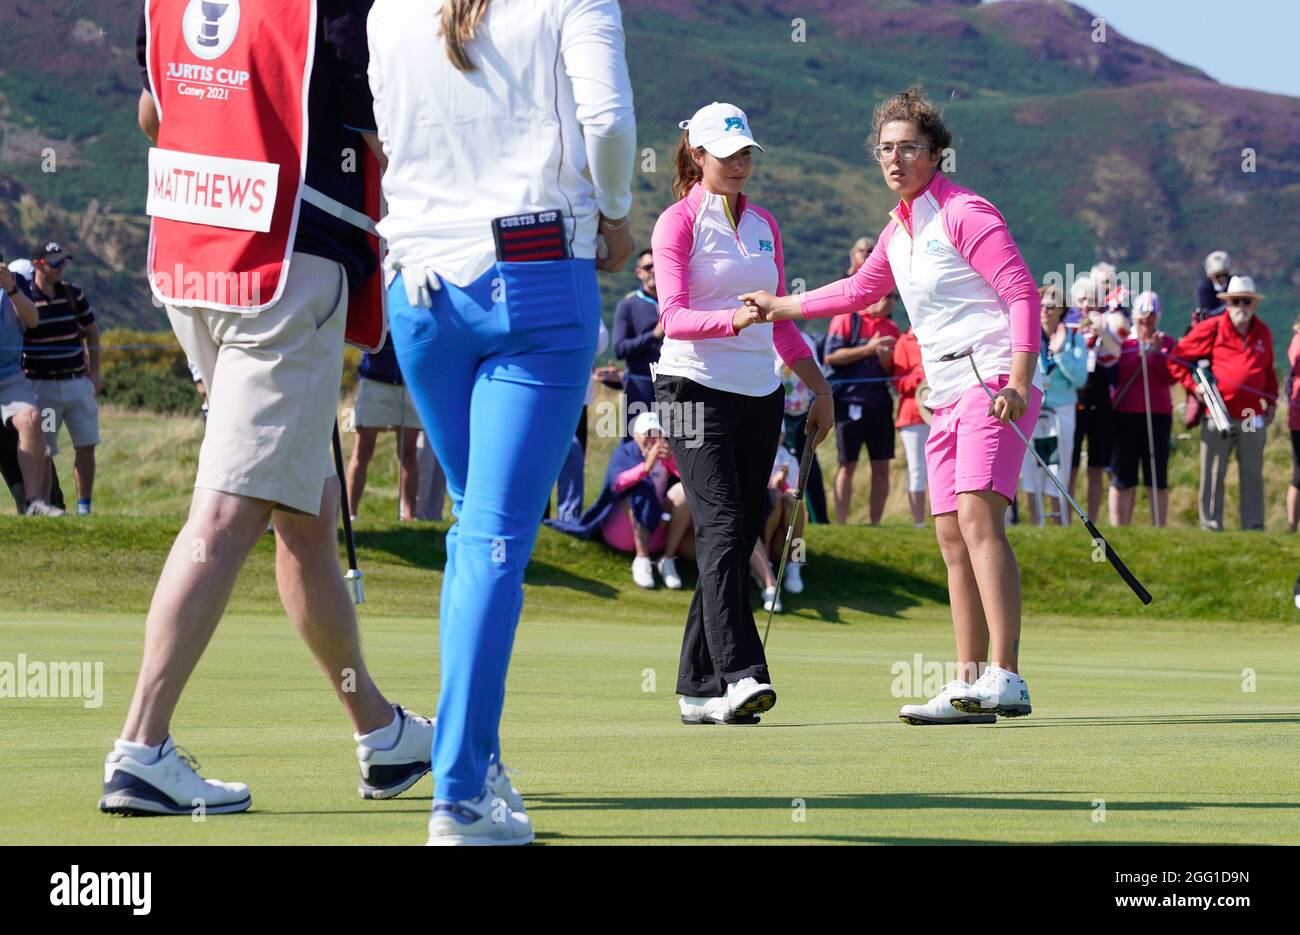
(546, 123)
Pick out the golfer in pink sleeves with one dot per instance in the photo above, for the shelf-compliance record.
(721, 401)
(950, 256)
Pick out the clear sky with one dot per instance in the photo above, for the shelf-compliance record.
(1244, 43)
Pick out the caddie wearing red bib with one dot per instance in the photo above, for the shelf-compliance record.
(257, 110)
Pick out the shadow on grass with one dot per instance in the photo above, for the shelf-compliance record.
(748, 837)
(1156, 720)
(1120, 720)
(885, 801)
(423, 545)
(833, 583)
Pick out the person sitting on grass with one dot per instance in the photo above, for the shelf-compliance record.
(780, 511)
(636, 498)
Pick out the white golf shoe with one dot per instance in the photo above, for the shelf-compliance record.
(771, 600)
(38, 507)
(997, 691)
(390, 772)
(502, 787)
(487, 821)
(793, 580)
(169, 785)
(668, 571)
(940, 710)
(749, 696)
(696, 710)
(643, 571)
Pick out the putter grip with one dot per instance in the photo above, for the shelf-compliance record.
(1143, 594)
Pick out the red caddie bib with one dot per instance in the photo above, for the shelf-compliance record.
(230, 82)
(367, 324)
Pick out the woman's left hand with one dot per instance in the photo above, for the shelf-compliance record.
(821, 419)
(1008, 406)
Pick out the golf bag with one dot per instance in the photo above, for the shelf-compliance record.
(1215, 408)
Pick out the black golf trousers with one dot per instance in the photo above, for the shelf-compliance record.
(724, 444)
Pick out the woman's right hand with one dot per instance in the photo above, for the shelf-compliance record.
(761, 301)
(745, 316)
(618, 244)
(657, 450)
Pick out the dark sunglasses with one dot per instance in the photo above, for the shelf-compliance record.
(648, 268)
(1239, 303)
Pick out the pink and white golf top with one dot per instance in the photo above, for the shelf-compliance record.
(704, 262)
(962, 280)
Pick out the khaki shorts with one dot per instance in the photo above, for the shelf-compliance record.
(385, 406)
(273, 387)
(70, 402)
(16, 394)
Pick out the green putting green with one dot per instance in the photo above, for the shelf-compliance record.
(1142, 732)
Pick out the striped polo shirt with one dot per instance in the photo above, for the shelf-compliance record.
(53, 350)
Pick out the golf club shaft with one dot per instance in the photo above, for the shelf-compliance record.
(805, 464)
(401, 448)
(1143, 594)
(1151, 437)
(343, 494)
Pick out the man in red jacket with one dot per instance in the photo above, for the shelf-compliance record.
(1240, 349)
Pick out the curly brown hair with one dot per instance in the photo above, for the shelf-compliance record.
(913, 107)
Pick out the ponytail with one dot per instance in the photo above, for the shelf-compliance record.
(460, 19)
(685, 172)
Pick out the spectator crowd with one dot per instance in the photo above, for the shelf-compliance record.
(1112, 378)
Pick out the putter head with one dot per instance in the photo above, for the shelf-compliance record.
(958, 355)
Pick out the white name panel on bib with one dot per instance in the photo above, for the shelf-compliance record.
(213, 190)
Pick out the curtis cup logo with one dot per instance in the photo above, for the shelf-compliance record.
(210, 34)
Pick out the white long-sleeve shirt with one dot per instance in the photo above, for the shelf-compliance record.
(544, 122)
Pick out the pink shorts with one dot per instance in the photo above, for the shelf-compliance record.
(617, 532)
(968, 449)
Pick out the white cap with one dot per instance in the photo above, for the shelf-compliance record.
(1241, 285)
(1217, 262)
(22, 268)
(1146, 303)
(646, 423)
(722, 129)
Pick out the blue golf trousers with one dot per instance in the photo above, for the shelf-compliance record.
(498, 371)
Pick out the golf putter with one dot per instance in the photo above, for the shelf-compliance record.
(353, 578)
(1143, 594)
(804, 465)
(1151, 436)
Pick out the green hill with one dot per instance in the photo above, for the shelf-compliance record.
(1093, 150)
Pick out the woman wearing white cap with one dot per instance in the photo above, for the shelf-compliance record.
(511, 142)
(649, 516)
(717, 390)
(1143, 415)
